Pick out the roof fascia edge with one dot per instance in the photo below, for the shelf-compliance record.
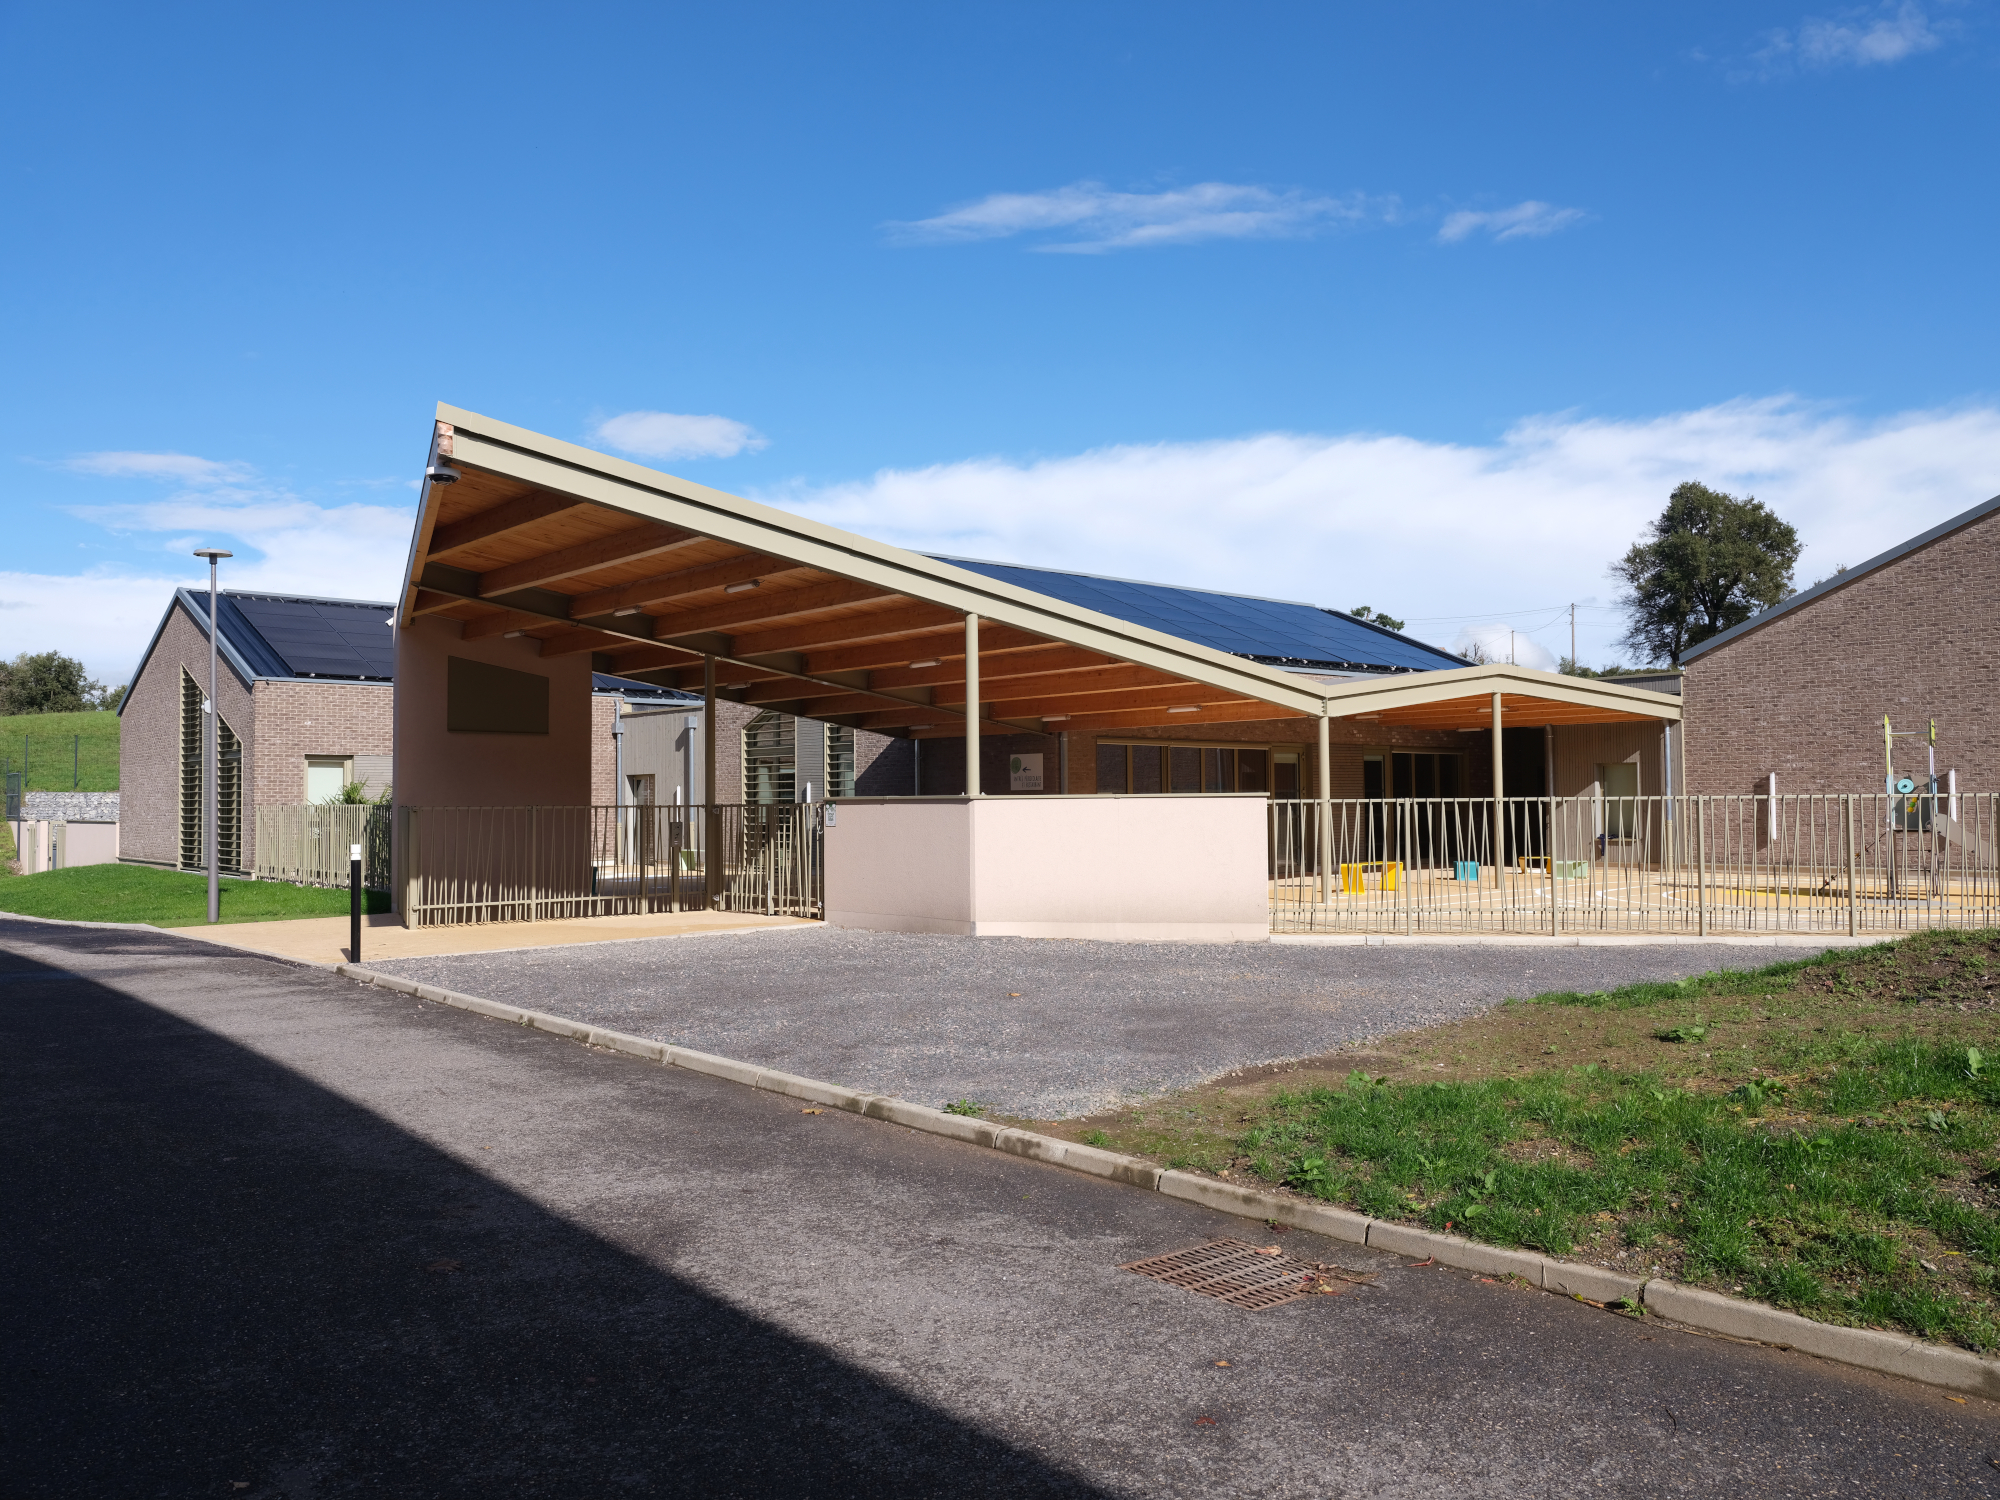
(242, 668)
(762, 528)
(1463, 682)
(1840, 581)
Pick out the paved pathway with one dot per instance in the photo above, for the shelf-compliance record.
(1044, 1030)
(266, 1228)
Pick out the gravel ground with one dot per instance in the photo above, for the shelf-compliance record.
(1046, 1030)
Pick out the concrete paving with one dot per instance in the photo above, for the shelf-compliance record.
(272, 1234)
(324, 940)
(1037, 1029)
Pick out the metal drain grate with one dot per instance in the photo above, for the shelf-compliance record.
(1232, 1271)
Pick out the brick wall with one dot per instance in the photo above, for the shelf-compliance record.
(298, 719)
(1804, 695)
(149, 742)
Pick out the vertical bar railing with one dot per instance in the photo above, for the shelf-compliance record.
(1802, 864)
(467, 865)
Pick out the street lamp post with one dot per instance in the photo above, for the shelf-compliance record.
(211, 741)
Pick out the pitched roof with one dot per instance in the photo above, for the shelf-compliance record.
(1277, 632)
(290, 637)
(1841, 580)
(647, 692)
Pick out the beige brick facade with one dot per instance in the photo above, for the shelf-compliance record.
(280, 724)
(149, 740)
(1804, 695)
(298, 719)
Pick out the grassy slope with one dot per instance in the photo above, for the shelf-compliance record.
(165, 898)
(1817, 1134)
(42, 742)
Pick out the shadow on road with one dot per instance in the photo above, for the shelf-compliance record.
(222, 1275)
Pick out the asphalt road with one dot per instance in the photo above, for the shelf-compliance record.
(268, 1233)
(1041, 1030)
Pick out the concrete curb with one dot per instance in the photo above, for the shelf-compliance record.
(1688, 1307)
(1605, 940)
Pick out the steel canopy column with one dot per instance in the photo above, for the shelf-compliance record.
(709, 841)
(972, 706)
(1499, 791)
(1325, 790)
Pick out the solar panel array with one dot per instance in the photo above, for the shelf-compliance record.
(316, 637)
(1271, 630)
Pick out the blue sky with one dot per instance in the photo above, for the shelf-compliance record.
(1422, 306)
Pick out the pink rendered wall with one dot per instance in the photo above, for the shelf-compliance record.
(437, 767)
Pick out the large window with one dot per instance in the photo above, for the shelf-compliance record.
(770, 759)
(1154, 767)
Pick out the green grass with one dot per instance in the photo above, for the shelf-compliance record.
(166, 898)
(1817, 1134)
(42, 744)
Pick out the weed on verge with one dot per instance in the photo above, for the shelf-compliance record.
(1816, 1134)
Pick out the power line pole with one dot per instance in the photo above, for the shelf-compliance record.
(211, 733)
(1573, 663)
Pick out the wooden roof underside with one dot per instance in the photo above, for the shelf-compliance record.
(648, 599)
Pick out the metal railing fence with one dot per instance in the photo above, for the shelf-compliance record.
(1689, 866)
(310, 844)
(466, 865)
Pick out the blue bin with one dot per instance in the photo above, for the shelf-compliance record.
(1467, 869)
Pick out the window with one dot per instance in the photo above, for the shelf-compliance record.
(770, 759)
(839, 761)
(326, 779)
(1420, 773)
(1285, 773)
(1621, 809)
(1154, 767)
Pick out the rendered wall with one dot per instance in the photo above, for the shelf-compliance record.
(439, 767)
(1164, 869)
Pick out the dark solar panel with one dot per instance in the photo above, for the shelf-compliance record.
(1268, 629)
(319, 638)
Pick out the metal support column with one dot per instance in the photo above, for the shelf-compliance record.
(1325, 791)
(211, 747)
(1499, 792)
(1549, 825)
(1853, 915)
(1701, 866)
(709, 829)
(972, 788)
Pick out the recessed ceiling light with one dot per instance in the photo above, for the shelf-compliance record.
(513, 635)
(915, 665)
(1192, 708)
(622, 613)
(1054, 718)
(742, 588)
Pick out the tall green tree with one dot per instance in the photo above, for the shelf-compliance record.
(1709, 562)
(46, 683)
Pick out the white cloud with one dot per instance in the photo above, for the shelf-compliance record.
(184, 467)
(284, 543)
(1091, 219)
(1529, 220)
(1497, 640)
(666, 434)
(1435, 533)
(1859, 39)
